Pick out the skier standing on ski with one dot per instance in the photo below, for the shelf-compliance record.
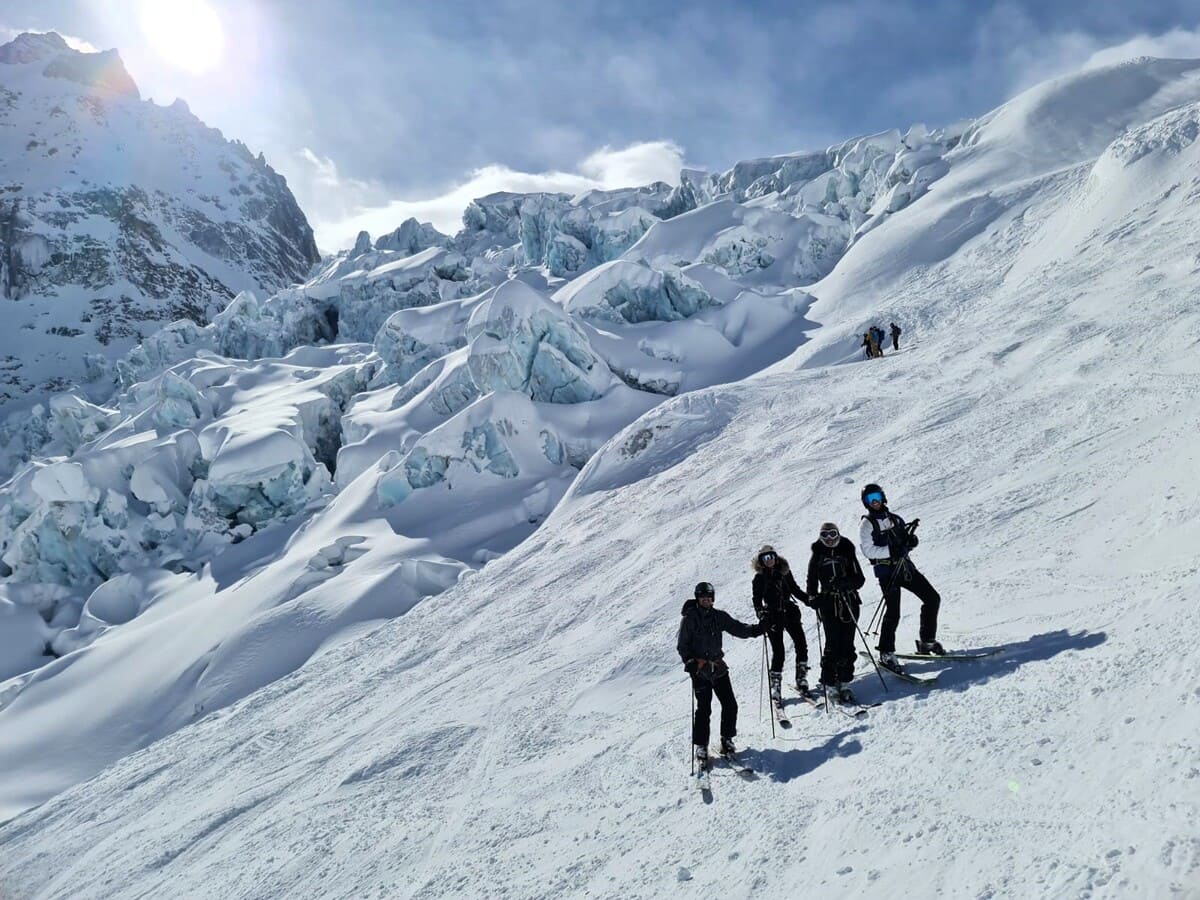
(866, 344)
(834, 577)
(699, 646)
(873, 349)
(878, 337)
(773, 589)
(895, 336)
(885, 540)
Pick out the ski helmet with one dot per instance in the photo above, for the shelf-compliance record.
(705, 589)
(872, 489)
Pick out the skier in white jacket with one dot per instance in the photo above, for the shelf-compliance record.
(885, 540)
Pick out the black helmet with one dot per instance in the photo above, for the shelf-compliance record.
(705, 589)
(872, 489)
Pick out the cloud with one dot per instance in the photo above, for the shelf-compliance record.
(75, 43)
(1008, 51)
(1178, 43)
(635, 165)
(339, 207)
(1032, 55)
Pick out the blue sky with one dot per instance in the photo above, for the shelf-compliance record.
(377, 109)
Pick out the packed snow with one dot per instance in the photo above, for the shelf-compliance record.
(394, 614)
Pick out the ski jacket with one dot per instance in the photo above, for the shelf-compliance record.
(884, 537)
(834, 569)
(701, 629)
(895, 331)
(773, 588)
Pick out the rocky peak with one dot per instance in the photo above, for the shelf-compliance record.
(32, 47)
(102, 71)
(118, 216)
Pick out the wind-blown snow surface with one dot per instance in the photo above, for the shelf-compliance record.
(524, 733)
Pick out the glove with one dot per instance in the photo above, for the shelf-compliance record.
(758, 629)
(764, 615)
(913, 540)
(693, 666)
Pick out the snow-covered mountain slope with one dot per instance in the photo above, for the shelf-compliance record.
(498, 370)
(118, 216)
(525, 731)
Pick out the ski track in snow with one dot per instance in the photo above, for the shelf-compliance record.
(525, 733)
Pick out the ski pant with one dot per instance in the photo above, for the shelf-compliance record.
(789, 621)
(895, 342)
(704, 690)
(839, 617)
(891, 579)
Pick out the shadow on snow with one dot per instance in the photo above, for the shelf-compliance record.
(961, 675)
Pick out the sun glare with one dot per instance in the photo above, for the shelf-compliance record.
(186, 33)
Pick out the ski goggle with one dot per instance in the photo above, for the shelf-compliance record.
(767, 557)
(874, 496)
(711, 598)
(831, 533)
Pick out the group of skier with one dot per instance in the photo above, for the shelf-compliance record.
(831, 589)
(874, 337)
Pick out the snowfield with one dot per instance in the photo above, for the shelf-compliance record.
(451, 670)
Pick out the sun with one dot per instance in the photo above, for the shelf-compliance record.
(186, 33)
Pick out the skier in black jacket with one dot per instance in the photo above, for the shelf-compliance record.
(834, 577)
(885, 540)
(895, 336)
(773, 589)
(699, 646)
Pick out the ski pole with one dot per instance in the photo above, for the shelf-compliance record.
(821, 657)
(762, 681)
(891, 583)
(883, 597)
(691, 726)
(867, 647)
(764, 669)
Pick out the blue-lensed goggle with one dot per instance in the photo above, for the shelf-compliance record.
(874, 496)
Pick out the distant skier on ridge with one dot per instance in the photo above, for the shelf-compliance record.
(699, 646)
(772, 589)
(895, 336)
(885, 540)
(880, 337)
(834, 577)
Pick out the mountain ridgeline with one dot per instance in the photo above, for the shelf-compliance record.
(118, 216)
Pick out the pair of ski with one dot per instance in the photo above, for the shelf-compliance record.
(853, 710)
(704, 771)
(930, 680)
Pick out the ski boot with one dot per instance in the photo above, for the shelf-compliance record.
(846, 696)
(728, 748)
(889, 661)
(701, 756)
(933, 648)
(802, 677)
(775, 680)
